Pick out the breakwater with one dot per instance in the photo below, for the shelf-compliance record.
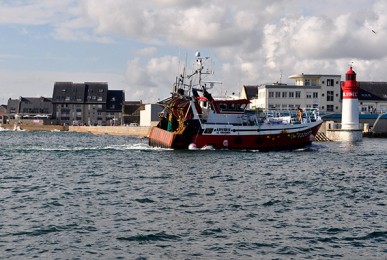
(140, 131)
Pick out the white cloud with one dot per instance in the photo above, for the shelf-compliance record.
(252, 41)
(146, 51)
(41, 83)
(35, 12)
(153, 80)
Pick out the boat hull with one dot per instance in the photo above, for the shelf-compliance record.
(159, 137)
(281, 140)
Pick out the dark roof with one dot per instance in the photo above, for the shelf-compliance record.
(88, 92)
(30, 105)
(372, 90)
(115, 99)
(130, 109)
(251, 91)
(96, 92)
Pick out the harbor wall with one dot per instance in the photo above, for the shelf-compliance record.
(36, 127)
(139, 131)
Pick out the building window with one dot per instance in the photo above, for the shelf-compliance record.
(315, 94)
(284, 94)
(291, 94)
(298, 94)
(330, 82)
(314, 82)
(330, 95)
(277, 94)
(330, 108)
(307, 82)
(271, 94)
(99, 99)
(308, 94)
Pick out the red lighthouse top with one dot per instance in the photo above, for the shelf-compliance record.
(350, 86)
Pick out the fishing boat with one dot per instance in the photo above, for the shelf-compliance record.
(193, 119)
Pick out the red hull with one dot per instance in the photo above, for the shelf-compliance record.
(282, 141)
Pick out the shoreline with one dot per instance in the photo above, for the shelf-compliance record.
(138, 131)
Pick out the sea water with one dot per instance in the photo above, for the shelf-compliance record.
(81, 196)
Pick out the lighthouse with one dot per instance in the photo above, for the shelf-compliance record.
(350, 128)
(350, 109)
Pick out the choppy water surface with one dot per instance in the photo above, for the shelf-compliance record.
(81, 196)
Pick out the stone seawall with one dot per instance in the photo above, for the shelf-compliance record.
(140, 131)
(37, 127)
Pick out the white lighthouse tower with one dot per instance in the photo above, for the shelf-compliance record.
(350, 111)
(350, 128)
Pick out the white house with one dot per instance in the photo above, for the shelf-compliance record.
(150, 115)
(309, 91)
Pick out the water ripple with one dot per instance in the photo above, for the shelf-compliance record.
(80, 196)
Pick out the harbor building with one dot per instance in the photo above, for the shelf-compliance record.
(89, 103)
(29, 108)
(131, 112)
(309, 91)
(372, 97)
(3, 114)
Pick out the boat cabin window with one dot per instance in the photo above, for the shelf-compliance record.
(223, 107)
(232, 107)
(204, 104)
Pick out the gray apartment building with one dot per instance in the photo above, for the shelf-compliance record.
(89, 103)
(29, 108)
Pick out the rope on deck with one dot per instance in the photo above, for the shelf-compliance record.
(321, 137)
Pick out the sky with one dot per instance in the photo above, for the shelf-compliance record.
(141, 46)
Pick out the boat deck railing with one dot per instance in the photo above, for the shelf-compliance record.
(252, 118)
